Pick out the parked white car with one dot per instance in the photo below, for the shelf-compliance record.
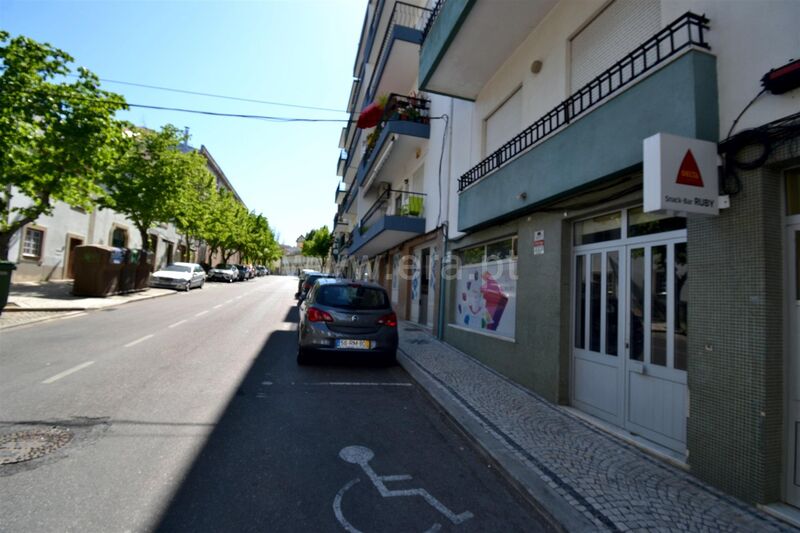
(180, 276)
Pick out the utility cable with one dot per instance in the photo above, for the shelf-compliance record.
(212, 95)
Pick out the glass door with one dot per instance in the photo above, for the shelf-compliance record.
(656, 350)
(597, 339)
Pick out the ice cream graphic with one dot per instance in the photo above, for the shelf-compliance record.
(495, 299)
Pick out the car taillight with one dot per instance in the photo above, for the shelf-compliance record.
(388, 320)
(317, 315)
(306, 286)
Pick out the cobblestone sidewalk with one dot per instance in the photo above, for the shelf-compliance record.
(610, 484)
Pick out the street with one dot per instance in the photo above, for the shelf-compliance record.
(189, 413)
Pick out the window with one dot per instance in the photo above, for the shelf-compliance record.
(119, 238)
(641, 223)
(599, 229)
(32, 243)
(621, 27)
(503, 123)
(493, 251)
(793, 192)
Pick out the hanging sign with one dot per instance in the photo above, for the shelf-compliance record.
(680, 175)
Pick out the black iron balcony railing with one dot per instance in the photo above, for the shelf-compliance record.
(687, 30)
(434, 13)
(394, 202)
(402, 108)
(403, 14)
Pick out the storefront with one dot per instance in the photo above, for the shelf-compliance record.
(629, 327)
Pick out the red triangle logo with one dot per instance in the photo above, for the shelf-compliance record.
(689, 173)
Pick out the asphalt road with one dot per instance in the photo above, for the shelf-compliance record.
(189, 413)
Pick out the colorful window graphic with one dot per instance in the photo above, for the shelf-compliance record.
(486, 298)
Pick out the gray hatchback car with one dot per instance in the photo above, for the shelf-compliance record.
(347, 316)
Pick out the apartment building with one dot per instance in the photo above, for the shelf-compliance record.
(42, 249)
(679, 330)
(392, 197)
(535, 249)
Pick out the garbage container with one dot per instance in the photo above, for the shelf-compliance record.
(127, 275)
(97, 270)
(6, 268)
(143, 269)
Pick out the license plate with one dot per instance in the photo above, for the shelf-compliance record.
(353, 344)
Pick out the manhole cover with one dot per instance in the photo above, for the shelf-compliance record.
(31, 444)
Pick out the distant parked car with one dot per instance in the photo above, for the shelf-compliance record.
(308, 283)
(224, 272)
(262, 271)
(302, 278)
(243, 275)
(344, 316)
(181, 276)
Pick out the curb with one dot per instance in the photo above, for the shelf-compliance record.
(556, 511)
(8, 309)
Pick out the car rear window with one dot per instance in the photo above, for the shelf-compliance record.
(352, 297)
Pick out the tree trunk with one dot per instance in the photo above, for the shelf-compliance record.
(145, 240)
(5, 238)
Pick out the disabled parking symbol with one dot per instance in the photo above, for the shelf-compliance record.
(361, 456)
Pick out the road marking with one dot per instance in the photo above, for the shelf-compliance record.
(137, 341)
(201, 313)
(361, 456)
(359, 384)
(218, 306)
(68, 372)
(73, 315)
(177, 323)
(229, 301)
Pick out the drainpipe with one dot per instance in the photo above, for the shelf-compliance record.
(440, 332)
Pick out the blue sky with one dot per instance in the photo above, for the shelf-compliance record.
(290, 51)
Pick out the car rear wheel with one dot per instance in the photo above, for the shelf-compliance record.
(303, 357)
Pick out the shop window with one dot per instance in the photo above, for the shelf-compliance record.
(641, 223)
(793, 192)
(32, 243)
(473, 255)
(119, 238)
(599, 229)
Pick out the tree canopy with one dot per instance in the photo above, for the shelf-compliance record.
(56, 136)
(318, 243)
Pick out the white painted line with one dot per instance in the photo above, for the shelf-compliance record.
(68, 372)
(218, 306)
(229, 301)
(137, 341)
(240, 297)
(177, 323)
(359, 384)
(201, 313)
(73, 315)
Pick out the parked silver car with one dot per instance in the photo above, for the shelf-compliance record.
(182, 276)
(223, 272)
(345, 316)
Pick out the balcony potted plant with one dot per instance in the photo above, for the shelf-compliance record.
(415, 206)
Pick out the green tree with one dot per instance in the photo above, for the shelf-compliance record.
(194, 204)
(318, 243)
(56, 137)
(151, 177)
(224, 226)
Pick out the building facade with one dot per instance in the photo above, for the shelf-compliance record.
(679, 331)
(42, 250)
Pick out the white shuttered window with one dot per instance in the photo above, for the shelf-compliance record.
(616, 31)
(504, 123)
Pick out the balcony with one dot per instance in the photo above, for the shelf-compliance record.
(341, 193)
(393, 219)
(457, 58)
(668, 84)
(397, 58)
(341, 162)
(403, 129)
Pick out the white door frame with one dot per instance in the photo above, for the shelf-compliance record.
(624, 365)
